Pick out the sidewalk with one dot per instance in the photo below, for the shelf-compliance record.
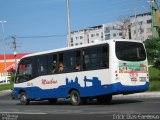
(5, 92)
(139, 95)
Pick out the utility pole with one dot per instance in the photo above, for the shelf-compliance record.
(68, 23)
(4, 47)
(155, 27)
(15, 50)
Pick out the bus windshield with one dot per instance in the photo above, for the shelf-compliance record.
(130, 51)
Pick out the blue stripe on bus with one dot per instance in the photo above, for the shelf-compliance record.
(95, 90)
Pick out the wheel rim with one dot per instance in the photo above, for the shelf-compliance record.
(75, 98)
(23, 99)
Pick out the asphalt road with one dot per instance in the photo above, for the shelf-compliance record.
(120, 108)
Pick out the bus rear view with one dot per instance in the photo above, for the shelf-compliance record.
(132, 70)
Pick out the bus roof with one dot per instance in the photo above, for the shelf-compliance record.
(79, 46)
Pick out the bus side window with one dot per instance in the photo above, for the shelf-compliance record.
(68, 61)
(96, 57)
(52, 64)
(90, 58)
(61, 63)
(42, 65)
(85, 62)
(71, 60)
(78, 60)
(104, 56)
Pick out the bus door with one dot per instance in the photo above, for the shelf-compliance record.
(25, 75)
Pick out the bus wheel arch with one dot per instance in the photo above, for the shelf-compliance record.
(23, 98)
(71, 91)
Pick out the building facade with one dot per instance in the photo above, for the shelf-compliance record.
(10, 64)
(141, 26)
(111, 31)
(78, 38)
(95, 34)
(138, 28)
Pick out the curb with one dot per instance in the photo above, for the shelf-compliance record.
(121, 96)
(139, 95)
(4, 92)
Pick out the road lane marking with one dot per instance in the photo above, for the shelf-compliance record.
(29, 113)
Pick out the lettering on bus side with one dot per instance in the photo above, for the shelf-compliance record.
(45, 81)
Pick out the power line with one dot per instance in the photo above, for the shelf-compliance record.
(34, 36)
(39, 36)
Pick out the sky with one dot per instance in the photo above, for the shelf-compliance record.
(40, 25)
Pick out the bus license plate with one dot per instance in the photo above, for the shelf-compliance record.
(143, 79)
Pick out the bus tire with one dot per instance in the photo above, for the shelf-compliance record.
(104, 99)
(52, 100)
(23, 99)
(75, 98)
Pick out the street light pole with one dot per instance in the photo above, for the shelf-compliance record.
(68, 23)
(4, 47)
(154, 8)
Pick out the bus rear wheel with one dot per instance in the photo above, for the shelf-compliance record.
(75, 97)
(23, 99)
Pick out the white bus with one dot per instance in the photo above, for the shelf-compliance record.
(97, 70)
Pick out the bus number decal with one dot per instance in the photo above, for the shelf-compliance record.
(29, 84)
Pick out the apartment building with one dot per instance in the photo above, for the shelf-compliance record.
(138, 28)
(78, 38)
(94, 34)
(141, 26)
(112, 31)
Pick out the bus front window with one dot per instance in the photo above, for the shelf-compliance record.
(24, 72)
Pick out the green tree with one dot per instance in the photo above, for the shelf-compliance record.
(153, 51)
(12, 75)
